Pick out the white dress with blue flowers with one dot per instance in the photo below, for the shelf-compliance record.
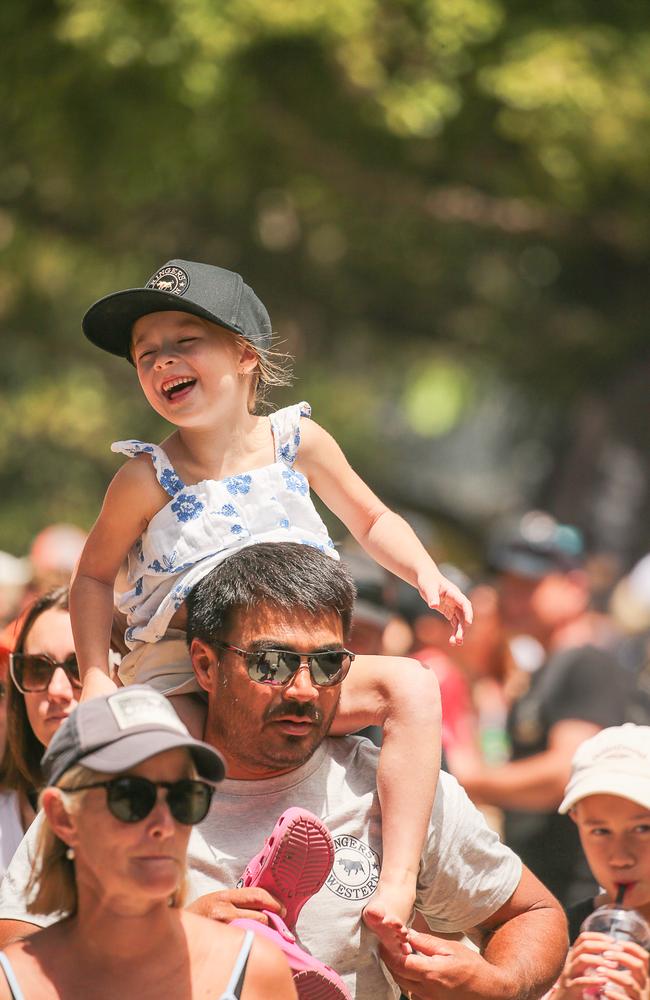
(206, 522)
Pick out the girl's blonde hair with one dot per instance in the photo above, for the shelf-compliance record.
(52, 886)
(273, 371)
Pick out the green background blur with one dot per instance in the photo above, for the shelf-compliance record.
(443, 203)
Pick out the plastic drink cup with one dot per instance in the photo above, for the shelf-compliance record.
(620, 924)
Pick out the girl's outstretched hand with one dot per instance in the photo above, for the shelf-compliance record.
(597, 966)
(444, 596)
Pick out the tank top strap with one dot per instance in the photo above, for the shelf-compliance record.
(285, 424)
(10, 975)
(166, 475)
(236, 981)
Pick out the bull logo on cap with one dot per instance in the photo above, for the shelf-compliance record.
(170, 279)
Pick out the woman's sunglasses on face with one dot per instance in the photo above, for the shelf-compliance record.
(279, 666)
(34, 671)
(131, 798)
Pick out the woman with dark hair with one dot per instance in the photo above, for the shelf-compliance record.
(41, 691)
(11, 820)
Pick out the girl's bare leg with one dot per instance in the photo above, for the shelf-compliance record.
(403, 696)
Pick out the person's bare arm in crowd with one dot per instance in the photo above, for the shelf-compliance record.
(524, 946)
(535, 783)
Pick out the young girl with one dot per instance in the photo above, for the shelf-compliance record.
(226, 477)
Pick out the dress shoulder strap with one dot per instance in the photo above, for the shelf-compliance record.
(236, 981)
(16, 991)
(286, 431)
(166, 475)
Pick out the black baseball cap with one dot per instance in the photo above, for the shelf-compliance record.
(203, 290)
(535, 546)
(117, 731)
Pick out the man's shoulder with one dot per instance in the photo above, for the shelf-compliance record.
(353, 751)
(358, 754)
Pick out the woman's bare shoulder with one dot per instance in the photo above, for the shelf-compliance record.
(267, 972)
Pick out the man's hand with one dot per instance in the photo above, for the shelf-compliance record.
(235, 904)
(445, 970)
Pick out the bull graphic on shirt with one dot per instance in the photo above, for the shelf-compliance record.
(351, 866)
(356, 868)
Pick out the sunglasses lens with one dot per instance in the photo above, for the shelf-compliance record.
(131, 799)
(71, 668)
(270, 667)
(326, 667)
(33, 673)
(189, 801)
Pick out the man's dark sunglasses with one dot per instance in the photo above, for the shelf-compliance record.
(279, 666)
(34, 671)
(131, 798)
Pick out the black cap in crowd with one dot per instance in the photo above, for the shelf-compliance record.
(535, 546)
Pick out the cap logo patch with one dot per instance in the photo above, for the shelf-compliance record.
(170, 279)
(132, 709)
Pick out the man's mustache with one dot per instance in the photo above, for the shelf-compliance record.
(298, 709)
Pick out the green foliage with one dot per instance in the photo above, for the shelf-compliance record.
(403, 181)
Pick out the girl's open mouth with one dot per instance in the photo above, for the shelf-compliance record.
(173, 388)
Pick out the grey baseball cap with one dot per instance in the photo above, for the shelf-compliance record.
(117, 731)
(200, 289)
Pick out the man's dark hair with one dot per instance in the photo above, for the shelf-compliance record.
(284, 575)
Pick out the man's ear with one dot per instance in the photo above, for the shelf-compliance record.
(62, 823)
(204, 662)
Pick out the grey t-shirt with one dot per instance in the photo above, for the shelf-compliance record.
(466, 873)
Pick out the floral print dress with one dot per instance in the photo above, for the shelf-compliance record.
(206, 522)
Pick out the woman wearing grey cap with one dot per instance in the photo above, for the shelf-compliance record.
(126, 782)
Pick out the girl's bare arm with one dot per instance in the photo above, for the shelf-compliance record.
(132, 498)
(383, 534)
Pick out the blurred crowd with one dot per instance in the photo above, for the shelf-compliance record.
(559, 649)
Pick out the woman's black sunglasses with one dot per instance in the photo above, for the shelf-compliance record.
(279, 666)
(34, 671)
(131, 798)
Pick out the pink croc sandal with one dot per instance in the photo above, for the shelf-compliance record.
(313, 979)
(294, 862)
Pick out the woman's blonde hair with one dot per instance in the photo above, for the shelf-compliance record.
(52, 886)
